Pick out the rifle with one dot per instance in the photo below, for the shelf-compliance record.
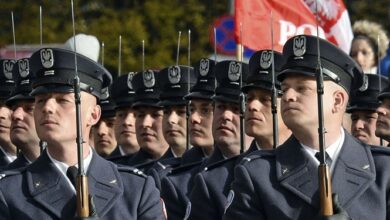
(82, 180)
(242, 99)
(188, 92)
(274, 92)
(325, 184)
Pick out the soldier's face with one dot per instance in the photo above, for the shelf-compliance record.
(299, 102)
(258, 115)
(363, 126)
(201, 119)
(5, 123)
(383, 121)
(363, 54)
(175, 126)
(104, 136)
(125, 128)
(23, 132)
(226, 125)
(55, 117)
(148, 125)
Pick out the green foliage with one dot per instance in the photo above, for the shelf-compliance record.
(157, 22)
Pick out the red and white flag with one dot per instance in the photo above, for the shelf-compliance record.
(291, 18)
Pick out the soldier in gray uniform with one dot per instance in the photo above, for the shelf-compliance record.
(211, 186)
(44, 190)
(176, 186)
(148, 122)
(258, 89)
(7, 149)
(122, 93)
(383, 110)
(175, 82)
(103, 132)
(362, 107)
(283, 184)
(23, 132)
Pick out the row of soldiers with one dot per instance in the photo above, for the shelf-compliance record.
(207, 176)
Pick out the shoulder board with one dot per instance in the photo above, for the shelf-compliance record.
(257, 154)
(8, 173)
(380, 150)
(185, 168)
(220, 163)
(132, 170)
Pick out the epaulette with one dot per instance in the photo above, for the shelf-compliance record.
(219, 163)
(256, 155)
(8, 173)
(132, 170)
(185, 168)
(380, 150)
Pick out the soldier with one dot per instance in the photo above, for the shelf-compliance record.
(258, 112)
(148, 122)
(23, 133)
(43, 189)
(383, 121)
(7, 149)
(175, 82)
(283, 184)
(103, 132)
(123, 95)
(178, 183)
(211, 186)
(362, 107)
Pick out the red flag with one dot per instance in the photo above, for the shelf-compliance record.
(290, 18)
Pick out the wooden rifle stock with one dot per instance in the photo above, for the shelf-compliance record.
(325, 190)
(82, 197)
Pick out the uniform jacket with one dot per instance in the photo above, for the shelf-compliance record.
(284, 184)
(211, 188)
(139, 159)
(115, 153)
(3, 160)
(193, 155)
(117, 158)
(176, 186)
(40, 191)
(19, 162)
(161, 167)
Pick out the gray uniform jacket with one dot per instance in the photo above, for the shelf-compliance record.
(211, 188)
(284, 184)
(40, 191)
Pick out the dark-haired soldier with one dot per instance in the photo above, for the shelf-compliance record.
(45, 189)
(148, 120)
(23, 132)
(176, 186)
(362, 107)
(283, 184)
(122, 94)
(7, 148)
(104, 132)
(258, 89)
(383, 121)
(175, 82)
(211, 186)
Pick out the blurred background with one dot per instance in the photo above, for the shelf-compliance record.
(155, 21)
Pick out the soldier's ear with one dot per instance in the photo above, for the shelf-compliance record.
(340, 99)
(95, 115)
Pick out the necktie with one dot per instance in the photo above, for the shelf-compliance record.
(328, 160)
(71, 173)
